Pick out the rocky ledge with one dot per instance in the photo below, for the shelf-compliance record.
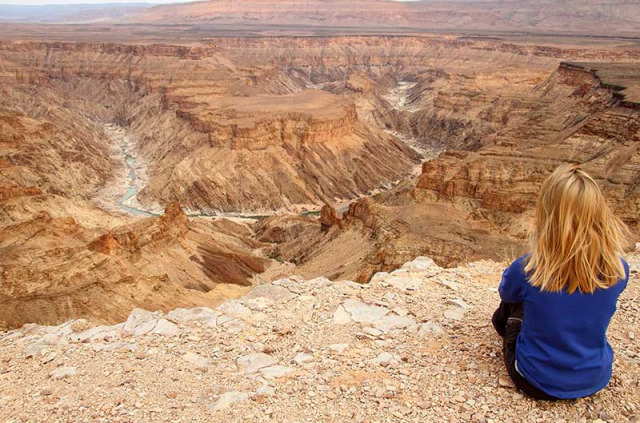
(412, 345)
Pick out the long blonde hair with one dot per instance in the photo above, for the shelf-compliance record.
(576, 240)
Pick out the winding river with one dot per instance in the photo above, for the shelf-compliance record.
(132, 182)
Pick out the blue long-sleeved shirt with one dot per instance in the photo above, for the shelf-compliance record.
(562, 348)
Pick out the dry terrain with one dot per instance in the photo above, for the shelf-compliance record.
(595, 17)
(415, 345)
(420, 144)
(162, 181)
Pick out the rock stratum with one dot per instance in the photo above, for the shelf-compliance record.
(415, 344)
(405, 146)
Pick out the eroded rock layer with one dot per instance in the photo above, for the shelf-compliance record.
(266, 123)
(54, 269)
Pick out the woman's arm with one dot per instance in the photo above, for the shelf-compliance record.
(510, 288)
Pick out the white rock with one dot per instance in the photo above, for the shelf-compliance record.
(451, 285)
(392, 322)
(275, 293)
(258, 304)
(166, 328)
(140, 322)
(65, 329)
(339, 348)
(62, 372)
(231, 324)
(401, 311)
(454, 313)
(458, 302)
(319, 281)
(53, 339)
(234, 308)
(204, 315)
(372, 332)
(98, 333)
(404, 282)
(274, 372)
(302, 358)
(385, 359)
(254, 362)
(292, 283)
(227, 399)
(421, 263)
(362, 312)
(197, 360)
(33, 350)
(430, 328)
(340, 316)
(378, 277)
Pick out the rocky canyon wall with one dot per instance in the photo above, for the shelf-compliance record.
(265, 123)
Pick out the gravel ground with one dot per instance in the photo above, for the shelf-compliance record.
(416, 345)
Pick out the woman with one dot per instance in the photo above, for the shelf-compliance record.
(558, 300)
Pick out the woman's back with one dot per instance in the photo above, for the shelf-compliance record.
(558, 300)
(562, 348)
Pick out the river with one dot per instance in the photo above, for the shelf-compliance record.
(124, 193)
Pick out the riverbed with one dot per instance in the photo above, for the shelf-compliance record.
(122, 194)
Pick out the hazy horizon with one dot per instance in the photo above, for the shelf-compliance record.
(80, 2)
(92, 2)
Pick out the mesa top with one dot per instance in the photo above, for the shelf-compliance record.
(562, 348)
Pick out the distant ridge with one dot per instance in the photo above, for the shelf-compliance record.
(577, 16)
(587, 17)
(66, 12)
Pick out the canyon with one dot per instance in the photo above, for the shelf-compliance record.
(269, 210)
(162, 171)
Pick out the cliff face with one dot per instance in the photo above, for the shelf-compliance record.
(271, 151)
(42, 150)
(572, 117)
(256, 124)
(53, 268)
(479, 201)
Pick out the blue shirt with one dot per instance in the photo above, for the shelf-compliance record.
(562, 348)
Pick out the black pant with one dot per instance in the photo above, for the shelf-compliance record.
(508, 320)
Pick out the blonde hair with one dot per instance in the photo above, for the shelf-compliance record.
(576, 240)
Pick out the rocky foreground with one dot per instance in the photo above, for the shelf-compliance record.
(413, 345)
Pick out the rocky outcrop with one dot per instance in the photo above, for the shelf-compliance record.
(37, 151)
(328, 217)
(577, 119)
(54, 268)
(269, 152)
(373, 237)
(417, 340)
